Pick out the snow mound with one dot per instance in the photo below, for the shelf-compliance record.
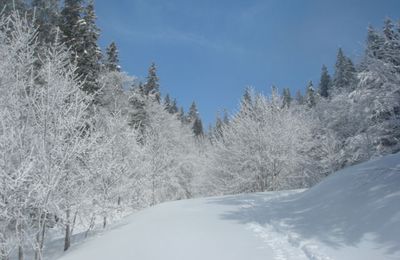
(353, 214)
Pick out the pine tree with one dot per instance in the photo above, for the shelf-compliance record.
(247, 96)
(11, 5)
(174, 108)
(69, 21)
(324, 83)
(198, 127)
(181, 115)
(388, 29)
(226, 117)
(246, 103)
(391, 44)
(167, 103)
(112, 60)
(193, 113)
(375, 44)
(137, 115)
(310, 95)
(299, 98)
(218, 127)
(194, 120)
(81, 34)
(47, 15)
(287, 98)
(345, 73)
(152, 87)
(89, 53)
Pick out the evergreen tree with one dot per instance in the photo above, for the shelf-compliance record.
(89, 53)
(375, 44)
(112, 60)
(47, 15)
(246, 102)
(81, 34)
(287, 98)
(388, 29)
(310, 95)
(10, 5)
(226, 117)
(391, 44)
(299, 98)
(69, 23)
(194, 120)
(247, 96)
(218, 127)
(181, 115)
(167, 103)
(198, 127)
(324, 83)
(345, 73)
(174, 108)
(137, 115)
(193, 113)
(152, 87)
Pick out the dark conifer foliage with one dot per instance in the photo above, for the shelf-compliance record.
(152, 86)
(112, 59)
(287, 98)
(174, 107)
(47, 15)
(310, 95)
(299, 98)
(193, 119)
(10, 5)
(324, 83)
(345, 73)
(69, 23)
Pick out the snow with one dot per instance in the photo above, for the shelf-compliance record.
(353, 214)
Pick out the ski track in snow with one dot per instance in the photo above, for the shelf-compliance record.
(285, 244)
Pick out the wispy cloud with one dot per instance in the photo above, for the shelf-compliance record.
(169, 35)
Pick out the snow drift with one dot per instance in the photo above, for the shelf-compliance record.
(353, 214)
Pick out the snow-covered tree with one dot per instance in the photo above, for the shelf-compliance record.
(287, 98)
(170, 150)
(152, 87)
(47, 15)
(262, 148)
(344, 78)
(310, 95)
(112, 60)
(324, 83)
(44, 135)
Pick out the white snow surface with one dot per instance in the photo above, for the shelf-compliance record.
(353, 214)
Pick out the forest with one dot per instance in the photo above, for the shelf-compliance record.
(83, 143)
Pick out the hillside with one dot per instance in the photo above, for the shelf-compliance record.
(353, 214)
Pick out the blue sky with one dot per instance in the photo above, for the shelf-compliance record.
(210, 50)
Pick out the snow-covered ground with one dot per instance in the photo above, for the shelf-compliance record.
(353, 214)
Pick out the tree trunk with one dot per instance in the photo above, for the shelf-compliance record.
(90, 226)
(37, 253)
(73, 223)
(40, 237)
(104, 222)
(20, 243)
(20, 253)
(67, 240)
(153, 191)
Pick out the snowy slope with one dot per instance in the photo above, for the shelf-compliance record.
(353, 214)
